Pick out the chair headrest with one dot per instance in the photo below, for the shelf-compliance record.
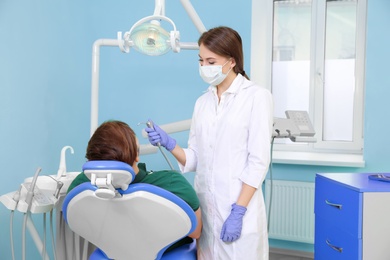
(109, 174)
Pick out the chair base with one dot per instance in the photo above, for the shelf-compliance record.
(185, 252)
(98, 255)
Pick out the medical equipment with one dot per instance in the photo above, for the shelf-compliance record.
(148, 38)
(62, 169)
(30, 189)
(296, 126)
(140, 221)
(174, 127)
(38, 195)
(150, 125)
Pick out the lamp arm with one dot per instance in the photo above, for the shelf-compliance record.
(159, 7)
(95, 78)
(193, 15)
(189, 46)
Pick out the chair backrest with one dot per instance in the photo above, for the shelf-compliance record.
(137, 223)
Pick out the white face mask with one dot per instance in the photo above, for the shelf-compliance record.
(213, 74)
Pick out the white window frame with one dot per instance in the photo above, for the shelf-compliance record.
(328, 153)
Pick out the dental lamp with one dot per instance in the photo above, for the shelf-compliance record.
(146, 36)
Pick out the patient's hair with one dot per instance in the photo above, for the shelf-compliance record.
(113, 140)
(226, 42)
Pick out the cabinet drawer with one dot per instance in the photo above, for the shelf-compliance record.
(335, 244)
(339, 205)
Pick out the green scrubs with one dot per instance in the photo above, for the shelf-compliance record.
(169, 180)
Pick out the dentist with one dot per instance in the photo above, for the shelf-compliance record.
(229, 148)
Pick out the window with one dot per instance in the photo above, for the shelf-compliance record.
(311, 55)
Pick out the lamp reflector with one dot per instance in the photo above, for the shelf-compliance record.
(150, 39)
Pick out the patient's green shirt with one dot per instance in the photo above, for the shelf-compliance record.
(169, 180)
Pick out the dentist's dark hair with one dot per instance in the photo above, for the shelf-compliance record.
(113, 140)
(225, 42)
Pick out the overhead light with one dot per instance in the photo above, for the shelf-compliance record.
(148, 37)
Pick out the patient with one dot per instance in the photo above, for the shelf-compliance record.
(115, 140)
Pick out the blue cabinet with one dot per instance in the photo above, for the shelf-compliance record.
(352, 217)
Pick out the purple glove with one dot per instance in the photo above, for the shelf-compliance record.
(157, 136)
(231, 229)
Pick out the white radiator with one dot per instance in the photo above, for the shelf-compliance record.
(290, 210)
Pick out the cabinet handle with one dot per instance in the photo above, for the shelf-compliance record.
(338, 206)
(338, 249)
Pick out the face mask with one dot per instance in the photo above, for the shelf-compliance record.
(213, 74)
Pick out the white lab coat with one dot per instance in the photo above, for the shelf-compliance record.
(229, 143)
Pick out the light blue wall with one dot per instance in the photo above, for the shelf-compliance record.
(377, 123)
(45, 81)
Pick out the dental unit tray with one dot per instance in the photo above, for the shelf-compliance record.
(379, 177)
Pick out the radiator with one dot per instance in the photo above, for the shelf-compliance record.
(290, 210)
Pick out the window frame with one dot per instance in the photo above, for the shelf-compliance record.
(329, 153)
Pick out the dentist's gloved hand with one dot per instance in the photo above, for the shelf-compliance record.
(156, 135)
(231, 229)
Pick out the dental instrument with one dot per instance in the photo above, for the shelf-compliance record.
(26, 217)
(44, 235)
(150, 125)
(11, 224)
(175, 127)
(62, 168)
(27, 221)
(30, 192)
(16, 198)
(56, 194)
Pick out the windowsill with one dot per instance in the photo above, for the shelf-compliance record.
(323, 159)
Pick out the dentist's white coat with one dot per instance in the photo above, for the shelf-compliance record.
(229, 143)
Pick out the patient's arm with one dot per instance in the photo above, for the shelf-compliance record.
(198, 230)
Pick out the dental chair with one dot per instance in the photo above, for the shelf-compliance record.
(128, 221)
